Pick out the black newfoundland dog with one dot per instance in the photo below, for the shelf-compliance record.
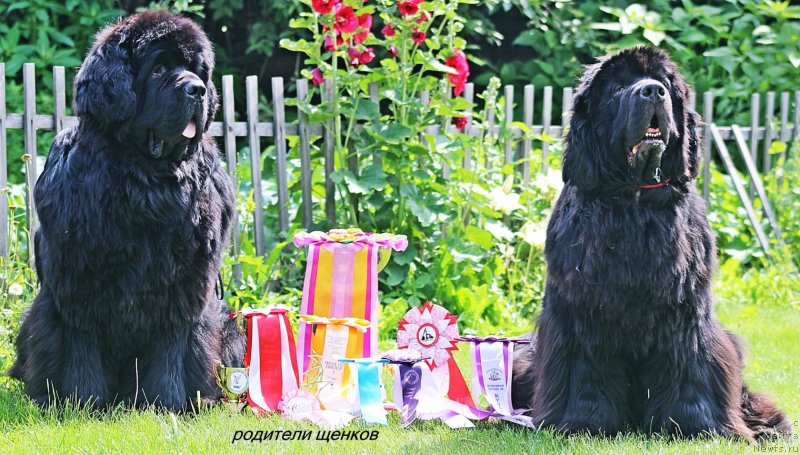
(627, 337)
(135, 213)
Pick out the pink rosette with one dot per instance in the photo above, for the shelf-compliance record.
(387, 241)
(430, 330)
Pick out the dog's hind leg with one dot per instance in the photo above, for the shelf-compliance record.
(696, 391)
(59, 362)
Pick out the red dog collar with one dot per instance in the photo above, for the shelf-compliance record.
(654, 185)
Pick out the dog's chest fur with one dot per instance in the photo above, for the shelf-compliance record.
(635, 269)
(138, 247)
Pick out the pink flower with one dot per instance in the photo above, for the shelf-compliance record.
(423, 17)
(364, 26)
(409, 8)
(393, 51)
(458, 61)
(323, 6)
(388, 31)
(345, 20)
(317, 78)
(367, 56)
(354, 56)
(460, 122)
(328, 44)
(418, 36)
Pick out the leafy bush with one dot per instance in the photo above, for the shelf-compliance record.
(732, 48)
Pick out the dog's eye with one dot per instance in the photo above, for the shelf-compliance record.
(616, 88)
(158, 69)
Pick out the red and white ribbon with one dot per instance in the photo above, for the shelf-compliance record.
(271, 357)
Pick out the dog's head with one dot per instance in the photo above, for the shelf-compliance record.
(147, 80)
(632, 123)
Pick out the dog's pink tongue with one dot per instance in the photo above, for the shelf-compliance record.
(190, 131)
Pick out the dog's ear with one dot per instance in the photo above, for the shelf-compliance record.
(212, 101)
(580, 166)
(104, 84)
(693, 142)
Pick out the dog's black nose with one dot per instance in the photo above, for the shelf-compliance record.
(653, 91)
(195, 89)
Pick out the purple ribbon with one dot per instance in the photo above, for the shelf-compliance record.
(490, 339)
(411, 382)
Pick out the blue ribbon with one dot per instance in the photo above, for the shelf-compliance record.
(369, 389)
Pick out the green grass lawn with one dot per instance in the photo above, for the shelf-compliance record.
(771, 332)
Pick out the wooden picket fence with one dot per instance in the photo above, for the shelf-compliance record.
(517, 145)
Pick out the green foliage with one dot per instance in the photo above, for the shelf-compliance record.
(476, 235)
(732, 48)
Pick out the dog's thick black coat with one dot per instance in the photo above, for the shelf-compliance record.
(135, 214)
(627, 337)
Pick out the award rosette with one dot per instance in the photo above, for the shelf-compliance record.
(492, 365)
(271, 358)
(434, 387)
(341, 283)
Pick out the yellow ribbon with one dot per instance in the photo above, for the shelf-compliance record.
(357, 323)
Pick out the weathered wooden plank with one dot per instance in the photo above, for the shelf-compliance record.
(752, 171)
(305, 154)
(547, 112)
(796, 126)
(490, 130)
(328, 149)
(3, 166)
(59, 98)
(281, 169)
(527, 144)
(566, 107)
(29, 90)
(508, 140)
(708, 118)
(229, 141)
(251, 95)
(755, 113)
(739, 186)
(469, 95)
(769, 134)
(265, 129)
(785, 134)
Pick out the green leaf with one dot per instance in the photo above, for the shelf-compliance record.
(367, 110)
(480, 237)
(405, 257)
(393, 133)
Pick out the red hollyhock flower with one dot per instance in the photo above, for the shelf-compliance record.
(422, 18)
(323, 6)
(367, 56)
(387, 31)
(409, 8)
(393, 51)
(317, 77)
(418, 36)
(345, 20)
(353, 56)
(460, 122)
(458, 61)
(328, 43)
(364, 25)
